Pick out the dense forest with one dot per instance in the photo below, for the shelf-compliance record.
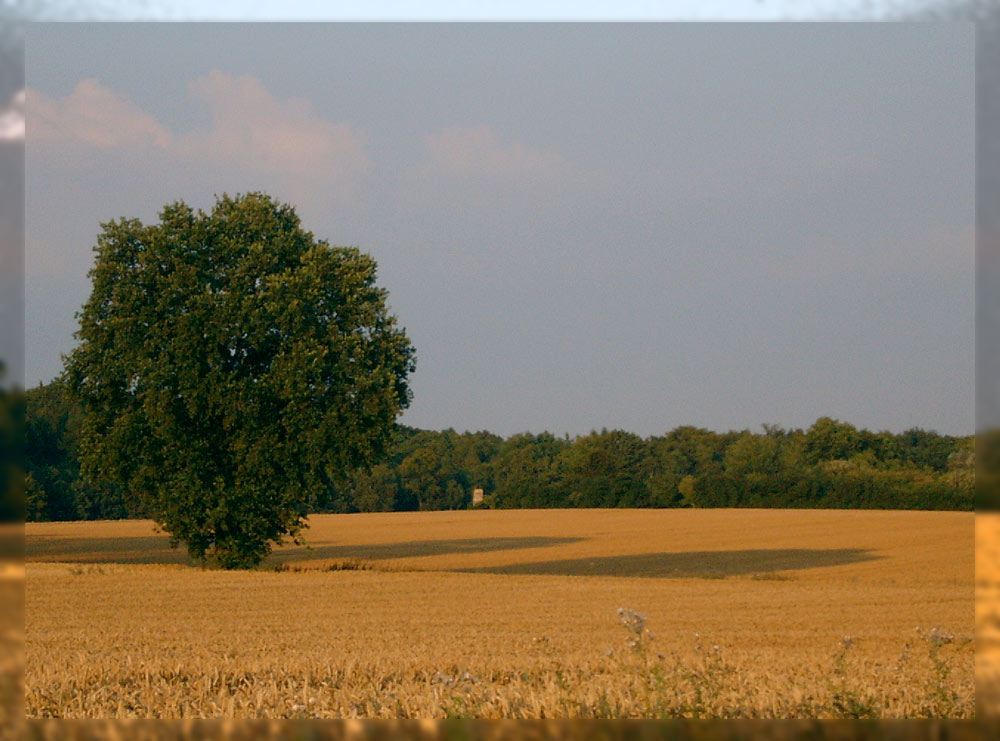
(11, 457)
(832, 464)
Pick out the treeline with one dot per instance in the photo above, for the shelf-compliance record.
(830, 465)
(11, 457)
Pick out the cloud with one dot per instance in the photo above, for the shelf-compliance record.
(12, 119)
(248, 127)
(93, 116)
(478, 151)
(248, 123)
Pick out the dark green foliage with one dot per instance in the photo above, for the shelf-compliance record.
(12, 405)
(687, 467)
(829, 439)
(232, 369)
(53, 471)
(54, 488)
(926, 449)
(527, 472)
(987, 479)
(607, 469)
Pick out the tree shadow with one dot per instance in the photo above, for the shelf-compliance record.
(141, 549)
(414, 548)
(156, 549)
(699, 564)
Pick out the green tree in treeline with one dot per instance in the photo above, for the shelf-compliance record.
(830, 465)
(606, 469)
(527, 472)
(54, 488)
(12, 409)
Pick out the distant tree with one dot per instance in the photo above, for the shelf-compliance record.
(12, 498)
(886, 446)
(665, 474)
(831, 439)
(418, 474)
(750, 455)
(374, 490)
(699, 451)
(687, 488)
(455, 494)
(478, 450)
(753, 465)
(926, 448)
(55, 489)
(231, 366)
(52, 467)
(987, 476)
(608, 469)
(527, 472)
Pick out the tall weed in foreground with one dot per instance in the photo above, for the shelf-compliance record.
(941, 698)
(11, 654)
(847, 699)
(709, 686)
(634, 678)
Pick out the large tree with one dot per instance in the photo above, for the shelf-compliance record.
(231, 366)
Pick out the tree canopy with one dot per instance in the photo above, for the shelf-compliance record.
(231, 368)
(12, 453)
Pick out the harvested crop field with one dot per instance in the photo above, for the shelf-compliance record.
(988, 614)
(738, 613)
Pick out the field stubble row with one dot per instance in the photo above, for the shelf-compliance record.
(411, 638)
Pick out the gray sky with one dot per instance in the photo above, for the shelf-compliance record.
(634, 226)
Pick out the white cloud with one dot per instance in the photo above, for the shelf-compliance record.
(93, 116)
(249, 127)
(252, 126)
(12, 119)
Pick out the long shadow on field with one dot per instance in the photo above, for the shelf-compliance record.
(142, 549)
(156, 549)
(700, 564)
(413, 548)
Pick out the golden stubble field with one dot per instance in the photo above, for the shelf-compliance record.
(11, 632)
(744, 613)
(988, 614)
